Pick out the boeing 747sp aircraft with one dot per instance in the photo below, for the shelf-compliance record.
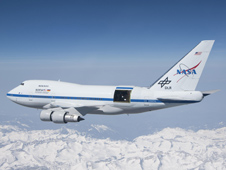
(63, 102)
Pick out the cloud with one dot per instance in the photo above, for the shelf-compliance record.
(171, 148)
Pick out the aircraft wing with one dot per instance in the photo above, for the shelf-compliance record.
(83, 110)
(71, 108)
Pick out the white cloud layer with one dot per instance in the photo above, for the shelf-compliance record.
(171, 148)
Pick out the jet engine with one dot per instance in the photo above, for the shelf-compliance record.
(59, 116)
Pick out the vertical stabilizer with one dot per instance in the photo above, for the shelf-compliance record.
(185, 74)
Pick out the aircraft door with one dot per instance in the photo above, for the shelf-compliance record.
(122, 96)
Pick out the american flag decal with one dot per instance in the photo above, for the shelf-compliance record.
(198, 53)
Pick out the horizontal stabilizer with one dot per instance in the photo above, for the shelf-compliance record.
(206, 93)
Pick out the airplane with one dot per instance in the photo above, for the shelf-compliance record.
(63, 102)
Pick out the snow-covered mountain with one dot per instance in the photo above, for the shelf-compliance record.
(171, 148)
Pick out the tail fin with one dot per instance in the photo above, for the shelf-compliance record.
(185, 74)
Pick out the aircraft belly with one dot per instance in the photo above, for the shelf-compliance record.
(129, 109)
(123, 111)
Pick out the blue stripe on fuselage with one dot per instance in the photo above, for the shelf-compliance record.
(60, 97)
(96, 98)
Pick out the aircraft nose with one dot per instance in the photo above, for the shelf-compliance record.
(11, 91)
(11, 94)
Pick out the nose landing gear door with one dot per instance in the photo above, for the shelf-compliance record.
(123, 94)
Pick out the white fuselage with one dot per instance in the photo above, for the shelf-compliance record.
(45, 94)
(66, 102)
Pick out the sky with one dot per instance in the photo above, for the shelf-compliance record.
(113, 43)
(56, 30)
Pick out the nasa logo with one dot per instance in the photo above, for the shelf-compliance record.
(185, 71)
(189, 71)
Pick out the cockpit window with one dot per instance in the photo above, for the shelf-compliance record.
(22, 84)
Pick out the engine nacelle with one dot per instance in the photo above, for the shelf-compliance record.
(59, 116)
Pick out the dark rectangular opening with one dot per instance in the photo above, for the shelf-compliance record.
(122, 96)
